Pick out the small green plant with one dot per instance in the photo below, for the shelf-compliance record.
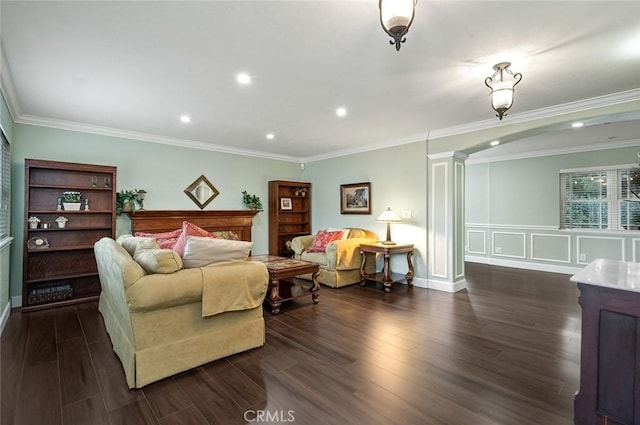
(252, 202)
(125, 200)
(71, 197)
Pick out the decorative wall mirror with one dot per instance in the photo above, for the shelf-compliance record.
(201, 191)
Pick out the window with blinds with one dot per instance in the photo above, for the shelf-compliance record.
(630, 199)
(601, 199)
(5, 185)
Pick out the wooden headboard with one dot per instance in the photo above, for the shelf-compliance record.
(156, 221)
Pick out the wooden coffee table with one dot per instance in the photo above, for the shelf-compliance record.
(290, 287)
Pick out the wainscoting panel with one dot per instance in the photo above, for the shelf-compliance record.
(588, 248)
(441, 220)
(635, 250)
(555, 248)
(477, 242)
(509, 244)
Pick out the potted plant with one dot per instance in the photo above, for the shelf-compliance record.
(252, 202)
(71, 200)
(125, 201)
(33, 222)
(62, 221)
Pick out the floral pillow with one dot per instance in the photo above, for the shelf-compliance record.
(166, 240)
(189, 229)
(323, 238)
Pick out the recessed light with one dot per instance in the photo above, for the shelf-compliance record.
(495, 143)
(341, 112)
(577, 124)
(243, 78)
(270, 136)
(185, 119)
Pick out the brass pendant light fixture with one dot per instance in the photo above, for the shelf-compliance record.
(396, 17)
(501, 84)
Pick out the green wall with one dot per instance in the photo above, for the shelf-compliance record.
(398, 180)
(514, 206)
(164, 171)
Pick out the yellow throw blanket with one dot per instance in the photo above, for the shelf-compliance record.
(239, 285)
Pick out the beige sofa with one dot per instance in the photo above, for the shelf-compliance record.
(168, 322)
(340, 263)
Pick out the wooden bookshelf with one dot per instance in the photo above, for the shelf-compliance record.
(59, 267)
(285, 224)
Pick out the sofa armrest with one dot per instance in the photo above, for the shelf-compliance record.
(300, 244)
(345, 254)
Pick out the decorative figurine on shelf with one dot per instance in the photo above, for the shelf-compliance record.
(300, 191)
(59, 204)
(86, 204)
(62, 221)
(94, 181)
(141, 194)
(107, 182)
(33, 222)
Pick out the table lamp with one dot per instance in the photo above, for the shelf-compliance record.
(388, 217)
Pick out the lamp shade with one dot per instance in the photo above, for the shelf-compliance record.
(396, 17)
(388, 217)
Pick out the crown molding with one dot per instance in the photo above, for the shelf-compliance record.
(421, 137)
(145, 137)
(557, 151)
(551, 111)
(449, 154)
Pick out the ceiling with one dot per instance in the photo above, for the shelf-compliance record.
(133, 68)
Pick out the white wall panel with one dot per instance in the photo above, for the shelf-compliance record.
(509, 244)
(477, 242)
(546, 247)
(588, 248)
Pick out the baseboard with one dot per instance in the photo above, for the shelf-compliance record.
(522, 264)
(420, 282)
(438, 285)
(441, 285)
(5, 316)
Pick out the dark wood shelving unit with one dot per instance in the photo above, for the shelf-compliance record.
(63, 269)
(285, 224)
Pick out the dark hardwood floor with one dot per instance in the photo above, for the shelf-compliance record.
(505, 351)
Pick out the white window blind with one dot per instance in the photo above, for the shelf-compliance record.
(5, 187)
(629, 199)
(600, 199)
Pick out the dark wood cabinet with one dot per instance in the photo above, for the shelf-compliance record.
(58, 262)
(610, 355)
(289, 214)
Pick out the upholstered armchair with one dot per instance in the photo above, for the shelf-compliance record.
(340, 261)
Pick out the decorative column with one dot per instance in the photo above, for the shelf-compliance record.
(445, 199)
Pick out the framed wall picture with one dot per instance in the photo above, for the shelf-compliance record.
(285, 204)
(355, 198)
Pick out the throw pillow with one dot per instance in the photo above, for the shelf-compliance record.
(189, 229)
(202, 251)
(357, 233)
(321, 240)
(155, 260)
(345, 232)
(131, 243)
(165, 239)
